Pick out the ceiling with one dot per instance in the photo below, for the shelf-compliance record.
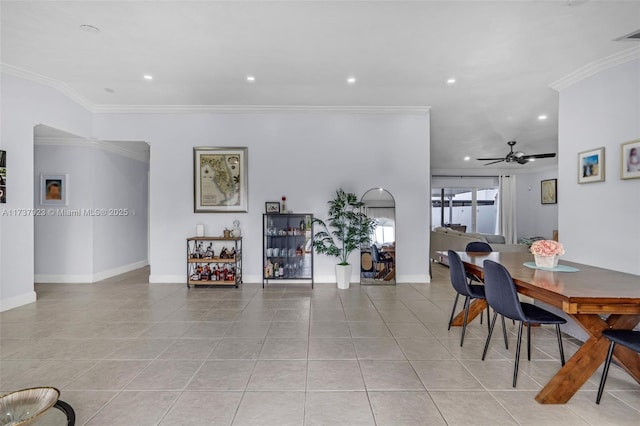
(503, 55)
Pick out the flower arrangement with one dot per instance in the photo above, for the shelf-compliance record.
(547, 248)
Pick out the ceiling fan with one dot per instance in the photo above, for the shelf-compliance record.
(517, 156)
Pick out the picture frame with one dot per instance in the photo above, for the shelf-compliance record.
(630, 160)
(549, 191)
(271, 207)
(54, 189)
(3, 177)
(591, 166)
(220, 179)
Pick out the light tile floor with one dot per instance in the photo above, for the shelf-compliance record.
(127, 352)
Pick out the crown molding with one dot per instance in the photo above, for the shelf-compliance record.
(139, 154)
(259, 109)
(190, 109)
(596, 67)
(38, 78)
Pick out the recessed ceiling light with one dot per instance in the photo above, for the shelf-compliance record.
(109, 90)
(451, 81)
(251, 78)
(467, 158)
(148, 77)
(351, 80)
(89, 28)
(542, 117)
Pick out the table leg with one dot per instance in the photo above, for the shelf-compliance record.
(476, 306)
(570, 378)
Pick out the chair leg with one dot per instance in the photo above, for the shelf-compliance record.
(504, 334)
(528, 341)
(467, 302)
(605, 372)
(453, 311)
(515, 367)
(486, 345)
(488, 317)
(560, 344)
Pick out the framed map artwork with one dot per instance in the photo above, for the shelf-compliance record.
(220, 180)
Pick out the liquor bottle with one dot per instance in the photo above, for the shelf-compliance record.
(269, 272)
(217, 273)
(276, 270)
(281, 271)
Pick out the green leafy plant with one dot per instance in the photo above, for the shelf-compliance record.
(346, 229)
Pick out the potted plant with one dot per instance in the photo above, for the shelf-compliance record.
(346, 229)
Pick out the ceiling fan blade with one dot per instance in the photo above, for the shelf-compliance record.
(490, 159)
(548, 155)
(494, 162)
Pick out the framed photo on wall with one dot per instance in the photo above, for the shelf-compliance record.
(3, 176)
(220, 180)
(54, 189)
(272, 207)
(630, 160)
(591, 166)
(549, 191)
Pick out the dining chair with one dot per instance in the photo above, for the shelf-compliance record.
(482, 247)
(502, 296)
(461, 286)
(626, 338)
(479, 247)
(377, 259)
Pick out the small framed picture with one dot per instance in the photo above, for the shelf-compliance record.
(272, 207)
(630, 160)
(54, 190)
(591, 166)
(549, 191)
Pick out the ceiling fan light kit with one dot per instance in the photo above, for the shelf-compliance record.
(516, 157)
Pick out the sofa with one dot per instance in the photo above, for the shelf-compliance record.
(443, 239)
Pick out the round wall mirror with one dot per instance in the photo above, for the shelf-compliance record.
(378, 259)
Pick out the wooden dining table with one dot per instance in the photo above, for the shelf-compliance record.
(595, 298)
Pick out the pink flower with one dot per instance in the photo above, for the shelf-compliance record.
(547, 248)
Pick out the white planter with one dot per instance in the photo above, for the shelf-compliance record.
(343, 276)
(549, 262)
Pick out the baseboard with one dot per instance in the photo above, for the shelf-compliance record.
(89, 278)
(167, 279)
(63, 279)
(17, 301)
(99, 276)
(413, 279)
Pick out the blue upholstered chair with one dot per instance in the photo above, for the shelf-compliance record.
(478, 247)
(627, 338)
(462, 287)
(502, 296)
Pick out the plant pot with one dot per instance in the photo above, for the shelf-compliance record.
(549, 262)
(343, 276)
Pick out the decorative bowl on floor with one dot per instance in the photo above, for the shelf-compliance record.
(24, 406)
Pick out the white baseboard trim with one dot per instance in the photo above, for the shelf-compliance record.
(167, 279)
(413, 279)
(17, 301)
(99, 276)
(63, 279)
(89, 278)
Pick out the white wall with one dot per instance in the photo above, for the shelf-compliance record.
(24, 104)
(63, 244)
(89, 248)
(599, 221)
(534, 218)
(305, 156)
(120, 238)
